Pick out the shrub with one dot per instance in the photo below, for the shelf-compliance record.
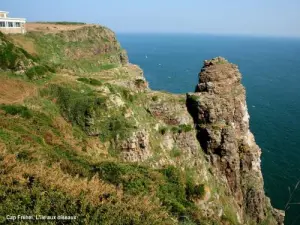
(172, 192)
(23, 111)
(39, 71)
(116, 127)
(163, 130)
(90, 81)
(135, 179)
(154, 98)
(175, 152)
(193, 190)
(182, 128)
(139, 83)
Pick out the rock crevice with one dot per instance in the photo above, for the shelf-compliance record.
(220, 114)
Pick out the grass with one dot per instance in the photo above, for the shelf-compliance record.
(13, 57)
(182, 128)
(90, 81)
(39, 71)
(107, 66)
(23, 111)
(92, 114)
(62, 23)
(48, 163)
(175, 152)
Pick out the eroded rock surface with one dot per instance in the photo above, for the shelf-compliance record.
(220, 113)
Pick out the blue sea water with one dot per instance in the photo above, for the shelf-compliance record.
(271, 75)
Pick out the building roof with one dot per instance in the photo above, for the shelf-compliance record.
(4, 12)
(12, 19)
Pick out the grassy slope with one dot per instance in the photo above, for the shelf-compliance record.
(59, 147)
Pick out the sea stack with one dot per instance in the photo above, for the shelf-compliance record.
(220, 114)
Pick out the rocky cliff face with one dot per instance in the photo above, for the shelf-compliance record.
(220, 113)
(92, 134)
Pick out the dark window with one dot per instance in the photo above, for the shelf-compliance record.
(2, 24)
(18, 24)
(10, 24)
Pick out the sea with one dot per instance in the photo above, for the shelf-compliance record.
(270, 67)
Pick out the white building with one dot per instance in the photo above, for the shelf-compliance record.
(11, 25)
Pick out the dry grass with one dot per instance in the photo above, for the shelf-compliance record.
(15, 91)
(52, 28)
(54, 178)
(24, 43)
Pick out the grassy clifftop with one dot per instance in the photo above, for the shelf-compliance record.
(81, 134)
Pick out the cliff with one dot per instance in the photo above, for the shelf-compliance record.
(220, 113)
(81, 133)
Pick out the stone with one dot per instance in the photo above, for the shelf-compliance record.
(220, 113)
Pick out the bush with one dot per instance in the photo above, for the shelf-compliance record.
(175, 152)
(182, 128)
(154, 98)
(163, 130)
(135, 179)
(23, 111)
(139, 83)
(12, 56)
(172, 192)
(38, 71)
(34, 199)
(90, 81)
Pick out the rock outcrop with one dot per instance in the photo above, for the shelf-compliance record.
(126, 154)
(220, 113)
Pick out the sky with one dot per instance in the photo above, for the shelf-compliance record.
(243, 17)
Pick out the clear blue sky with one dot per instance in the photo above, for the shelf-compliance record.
(255, 17)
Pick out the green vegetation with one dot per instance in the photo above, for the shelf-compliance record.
(107, 66)
(175, 152)
(38, 71)
(182, 128)
(17, 110)
(169, 184)
(13, 57)
(90, 81)
(154, 98)
(91, 113)
(33, 199)
(163, 130)
(140, 82)
(61, 146)
(63, 23)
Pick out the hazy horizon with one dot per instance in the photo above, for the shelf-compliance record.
(271, 18)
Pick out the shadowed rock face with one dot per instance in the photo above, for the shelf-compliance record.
(220, 113)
